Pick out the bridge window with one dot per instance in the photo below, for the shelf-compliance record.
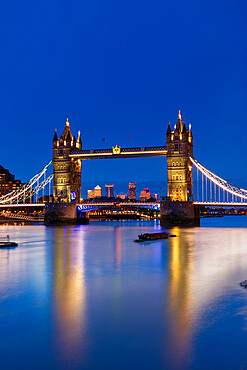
(176, 163)
(180, 177)
(180, 164)
(176, 146)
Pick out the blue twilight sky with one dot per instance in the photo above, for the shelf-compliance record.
(124, 68)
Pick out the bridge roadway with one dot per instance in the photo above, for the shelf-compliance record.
(133, 204)
(15, 205)
(118, 152)
(87, 206)
(222, 204)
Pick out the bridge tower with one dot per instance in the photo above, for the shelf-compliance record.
(66, 170)
(178, 208)
(179, 168)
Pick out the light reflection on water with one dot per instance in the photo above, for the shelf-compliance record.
(89, 297)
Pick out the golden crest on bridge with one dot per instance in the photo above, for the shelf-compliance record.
(116, 149)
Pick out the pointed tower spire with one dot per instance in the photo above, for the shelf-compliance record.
(168, 128)
(179, 125)
(67, 122)
(79, 143)
(184, 129)
(190, 134)
(55, 139)
(55, 136)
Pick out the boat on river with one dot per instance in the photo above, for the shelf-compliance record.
(151, 236)
(8, 244)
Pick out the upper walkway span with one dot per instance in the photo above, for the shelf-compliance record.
(118, 152)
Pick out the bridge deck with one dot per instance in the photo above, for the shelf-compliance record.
(153, 151)
(22, 205)
(222, 204)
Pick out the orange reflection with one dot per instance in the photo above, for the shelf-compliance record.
(180, 296)
(69, 289)
(118, 247)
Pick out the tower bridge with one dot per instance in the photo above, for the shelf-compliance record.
(189, 183)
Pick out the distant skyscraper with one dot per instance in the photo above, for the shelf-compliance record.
(7, 182)
(145, 195)
(109, 191)
(90, 194)
(132, 190)
(97, 191)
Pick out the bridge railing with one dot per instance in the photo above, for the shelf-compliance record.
(31, 189)
(211, 188)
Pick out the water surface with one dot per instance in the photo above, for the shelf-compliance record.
(88, 297)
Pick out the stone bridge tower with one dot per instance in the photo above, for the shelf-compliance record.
(179, 167)
(66, 170)
(178, 207)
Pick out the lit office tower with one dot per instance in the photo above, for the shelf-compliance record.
(145, 195)
(8, 182)
(90, 194)
(132, 190)
(97, 191)
(109, 191)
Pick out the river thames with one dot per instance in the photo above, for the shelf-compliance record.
(88, 297)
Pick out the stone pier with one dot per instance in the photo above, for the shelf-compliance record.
(64, 214)
(60, 214)
(178, 213)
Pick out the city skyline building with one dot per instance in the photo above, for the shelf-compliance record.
(109, 191)
(132, 190)
(97, 191)
(90, 194)
(145, 195)
(8, 183)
